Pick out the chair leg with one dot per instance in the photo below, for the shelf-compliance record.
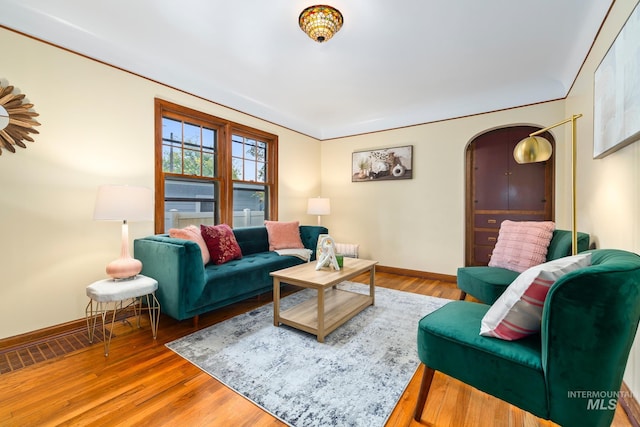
(463, 295)
(427, 377)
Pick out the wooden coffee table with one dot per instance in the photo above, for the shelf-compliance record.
(332, 307)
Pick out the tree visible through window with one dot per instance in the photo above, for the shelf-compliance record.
(211, 171)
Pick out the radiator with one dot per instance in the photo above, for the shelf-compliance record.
(347, 249)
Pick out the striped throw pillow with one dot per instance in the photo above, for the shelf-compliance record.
(518, 311)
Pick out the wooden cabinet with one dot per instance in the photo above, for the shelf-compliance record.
(498, 188)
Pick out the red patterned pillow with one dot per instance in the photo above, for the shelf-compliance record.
(284, 235)
(522, 244)
(221, 242)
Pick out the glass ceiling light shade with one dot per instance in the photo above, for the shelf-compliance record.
(320, 22)
(532, 149)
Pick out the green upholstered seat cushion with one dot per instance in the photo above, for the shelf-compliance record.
(249, 275)
(449, 342)
(485, 283)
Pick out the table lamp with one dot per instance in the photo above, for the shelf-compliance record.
(319, 206)
(123, 203)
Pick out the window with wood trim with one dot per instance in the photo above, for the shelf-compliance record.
(211, 171)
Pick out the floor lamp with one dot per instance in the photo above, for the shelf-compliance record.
(537, 149)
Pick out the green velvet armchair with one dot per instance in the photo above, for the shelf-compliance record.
(569, 373)
(488, 283)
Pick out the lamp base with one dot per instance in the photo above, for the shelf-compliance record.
(124, 268)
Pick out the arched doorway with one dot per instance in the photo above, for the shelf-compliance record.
(498, 188)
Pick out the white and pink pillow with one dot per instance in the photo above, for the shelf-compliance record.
(522, 244)
(517, 313)
(192, 233)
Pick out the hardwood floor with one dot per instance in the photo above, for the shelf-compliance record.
(143, 383)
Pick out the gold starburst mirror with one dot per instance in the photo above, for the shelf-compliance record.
(16, 120)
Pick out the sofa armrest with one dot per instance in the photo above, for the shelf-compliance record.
(309, 235)
(177, 266)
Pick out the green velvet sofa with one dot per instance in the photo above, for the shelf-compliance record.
(488, 283)
(571, 371)
(187, 288)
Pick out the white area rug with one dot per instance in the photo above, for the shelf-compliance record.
(354, 379)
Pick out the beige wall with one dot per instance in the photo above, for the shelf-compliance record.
(419, 224)
(97, 128)
(609, 188)
(415, 224)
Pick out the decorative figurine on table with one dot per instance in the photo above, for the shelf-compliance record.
(326, 253)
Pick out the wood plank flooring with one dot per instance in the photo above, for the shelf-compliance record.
(144, 383)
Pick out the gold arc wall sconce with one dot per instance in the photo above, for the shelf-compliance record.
(537, 149)
(320, 22)
(16, 120)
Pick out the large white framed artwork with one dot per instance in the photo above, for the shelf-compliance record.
(616, 118)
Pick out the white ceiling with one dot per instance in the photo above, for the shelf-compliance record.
(394, 63)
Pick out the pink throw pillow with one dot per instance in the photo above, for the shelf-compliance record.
(284, 235)
(192, 233)
(522, 244)
(221, 242)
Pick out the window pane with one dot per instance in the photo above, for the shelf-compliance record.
(191, 162)
(249, 208)
(192, 136)
(189, 202)
(236, 166)
(208, 164)
(249, 170)
(171, 130)
(261, 151)
(262, 172)
(237, 147)
(171, 159)
(208, 138)
(250, 149)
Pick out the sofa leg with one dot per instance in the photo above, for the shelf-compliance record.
(463, 295)
(427, 377)
(196, 318)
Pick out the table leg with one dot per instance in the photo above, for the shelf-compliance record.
(91, 320)
(372, 284)
(320, 315)
(276, 301)
(104, 310)
(154, 313)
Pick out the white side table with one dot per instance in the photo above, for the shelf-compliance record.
(104, 292)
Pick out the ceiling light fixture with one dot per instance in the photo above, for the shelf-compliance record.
(320, 22)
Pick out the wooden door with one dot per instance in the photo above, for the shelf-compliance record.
(498, 188)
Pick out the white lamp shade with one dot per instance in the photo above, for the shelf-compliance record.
(123, 202)
(319, 206)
